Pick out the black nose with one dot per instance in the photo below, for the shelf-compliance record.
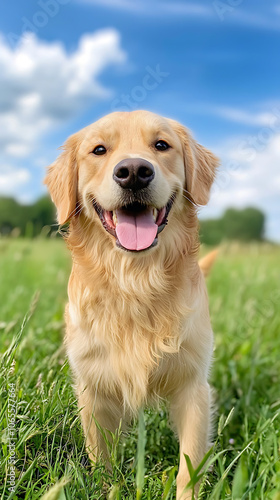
(133, 173)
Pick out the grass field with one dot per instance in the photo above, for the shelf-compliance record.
(42, 446)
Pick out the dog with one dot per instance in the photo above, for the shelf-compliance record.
(137, 322)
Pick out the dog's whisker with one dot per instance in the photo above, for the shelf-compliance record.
(190, 200)
(189, 197)
(79, 210)
(79, 207)
(63, 228)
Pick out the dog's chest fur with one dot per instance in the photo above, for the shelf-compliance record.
(125, 337)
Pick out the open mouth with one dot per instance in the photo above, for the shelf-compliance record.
(135, 226)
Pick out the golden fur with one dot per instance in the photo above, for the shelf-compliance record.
(138, 326)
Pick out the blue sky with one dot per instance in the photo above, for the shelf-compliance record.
(212, 65)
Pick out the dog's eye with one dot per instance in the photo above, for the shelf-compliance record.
(161, 145)
(99, 150)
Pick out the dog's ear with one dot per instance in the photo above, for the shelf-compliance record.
(200, 166)
(62, 180)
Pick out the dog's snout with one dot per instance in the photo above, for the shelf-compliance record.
(133, 173)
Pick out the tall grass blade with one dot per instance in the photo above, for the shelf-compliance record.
(140, 461)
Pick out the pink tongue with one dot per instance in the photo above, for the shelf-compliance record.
(137, 231)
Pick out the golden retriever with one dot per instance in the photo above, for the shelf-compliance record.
(138, 327)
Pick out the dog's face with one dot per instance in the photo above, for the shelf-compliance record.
(130, 171)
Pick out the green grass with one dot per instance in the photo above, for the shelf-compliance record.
(244, 289)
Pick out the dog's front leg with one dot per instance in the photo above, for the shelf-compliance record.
(190, 411)
(107, 412)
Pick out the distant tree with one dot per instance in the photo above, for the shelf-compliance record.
(244, 225)
(29, 219)
(10, 215)
(211, 231)
(42, 213)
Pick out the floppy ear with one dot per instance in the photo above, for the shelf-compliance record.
(200, 167)
(62, 180)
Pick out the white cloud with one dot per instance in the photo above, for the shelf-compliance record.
(159, 7)
(249, 180)
(117, 4)
(11, 179)
(245, 117)
(214, 11)
(190, 8)
(42, 85)
(265, 20)
(236, 13)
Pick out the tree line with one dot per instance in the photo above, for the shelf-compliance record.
(243, 225)
(26, 220)
(29, 220)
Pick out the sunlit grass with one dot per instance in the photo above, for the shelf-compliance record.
(244, 289)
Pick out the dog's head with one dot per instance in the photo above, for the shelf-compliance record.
(130, 171)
